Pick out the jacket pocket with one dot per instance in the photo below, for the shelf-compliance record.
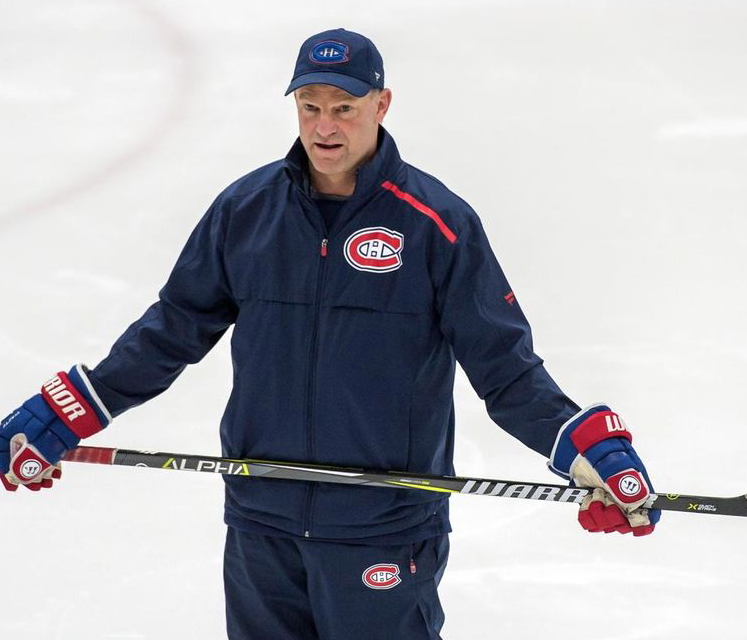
(381, 300)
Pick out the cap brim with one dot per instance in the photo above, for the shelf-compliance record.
(353, 86)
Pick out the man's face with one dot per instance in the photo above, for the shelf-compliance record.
(338, 130)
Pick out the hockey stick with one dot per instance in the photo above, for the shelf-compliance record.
(344, 475)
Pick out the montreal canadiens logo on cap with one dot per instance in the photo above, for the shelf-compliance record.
(381, 576)
(375, 249)
(329, 52)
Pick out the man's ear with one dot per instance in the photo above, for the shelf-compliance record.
(384, 101)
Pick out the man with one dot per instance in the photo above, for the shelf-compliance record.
(355, 281)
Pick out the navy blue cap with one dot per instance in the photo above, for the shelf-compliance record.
(344, 59)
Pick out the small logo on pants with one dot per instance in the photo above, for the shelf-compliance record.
(381, 576)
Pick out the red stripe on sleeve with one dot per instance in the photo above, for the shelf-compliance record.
(422, 208)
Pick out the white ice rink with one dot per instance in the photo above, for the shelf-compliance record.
(604, 144)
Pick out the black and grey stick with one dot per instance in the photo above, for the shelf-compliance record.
(401, 480)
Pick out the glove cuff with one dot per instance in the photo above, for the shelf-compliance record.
(564, 450)
(597, 427)
(76, 403)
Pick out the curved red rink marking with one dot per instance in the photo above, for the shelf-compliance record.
(180, 46)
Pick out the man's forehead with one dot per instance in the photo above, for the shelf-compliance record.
(323, 90)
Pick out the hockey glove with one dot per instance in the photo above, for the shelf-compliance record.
(36, 436)
(594, 450)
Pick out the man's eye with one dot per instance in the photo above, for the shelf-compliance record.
(309, 107)
(344, 108)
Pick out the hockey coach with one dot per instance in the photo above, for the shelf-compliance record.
(355, 283)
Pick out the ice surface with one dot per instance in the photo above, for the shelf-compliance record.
(604, 144)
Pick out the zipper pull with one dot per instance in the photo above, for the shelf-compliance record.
(324, 248)
(413, 568)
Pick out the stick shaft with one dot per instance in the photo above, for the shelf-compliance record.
(401, 480)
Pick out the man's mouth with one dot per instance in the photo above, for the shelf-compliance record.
(327, 146)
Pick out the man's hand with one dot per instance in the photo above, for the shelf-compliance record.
(37, 435)
(594, 450)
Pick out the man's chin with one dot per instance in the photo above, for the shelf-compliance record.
(328, 167)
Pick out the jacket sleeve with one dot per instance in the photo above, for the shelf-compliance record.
(492, 341)
(193, 311)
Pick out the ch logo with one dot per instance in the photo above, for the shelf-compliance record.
(329, 52)
(375, 249)
(381, 576)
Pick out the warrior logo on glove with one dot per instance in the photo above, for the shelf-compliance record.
(30, 469)
(629, 485)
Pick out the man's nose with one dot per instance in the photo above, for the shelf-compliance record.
(325, 126)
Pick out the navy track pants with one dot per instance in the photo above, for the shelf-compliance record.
(300, 589)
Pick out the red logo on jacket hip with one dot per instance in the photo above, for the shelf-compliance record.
(375, 249)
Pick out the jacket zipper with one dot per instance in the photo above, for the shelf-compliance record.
(311, 389)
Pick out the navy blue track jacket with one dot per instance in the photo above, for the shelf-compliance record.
(344, 344)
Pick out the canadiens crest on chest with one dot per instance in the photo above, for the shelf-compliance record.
(374, 249)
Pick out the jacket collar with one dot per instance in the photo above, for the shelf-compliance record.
(384, 165)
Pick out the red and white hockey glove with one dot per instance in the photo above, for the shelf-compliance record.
(27, 462)
(37, 435)
(594, 449)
